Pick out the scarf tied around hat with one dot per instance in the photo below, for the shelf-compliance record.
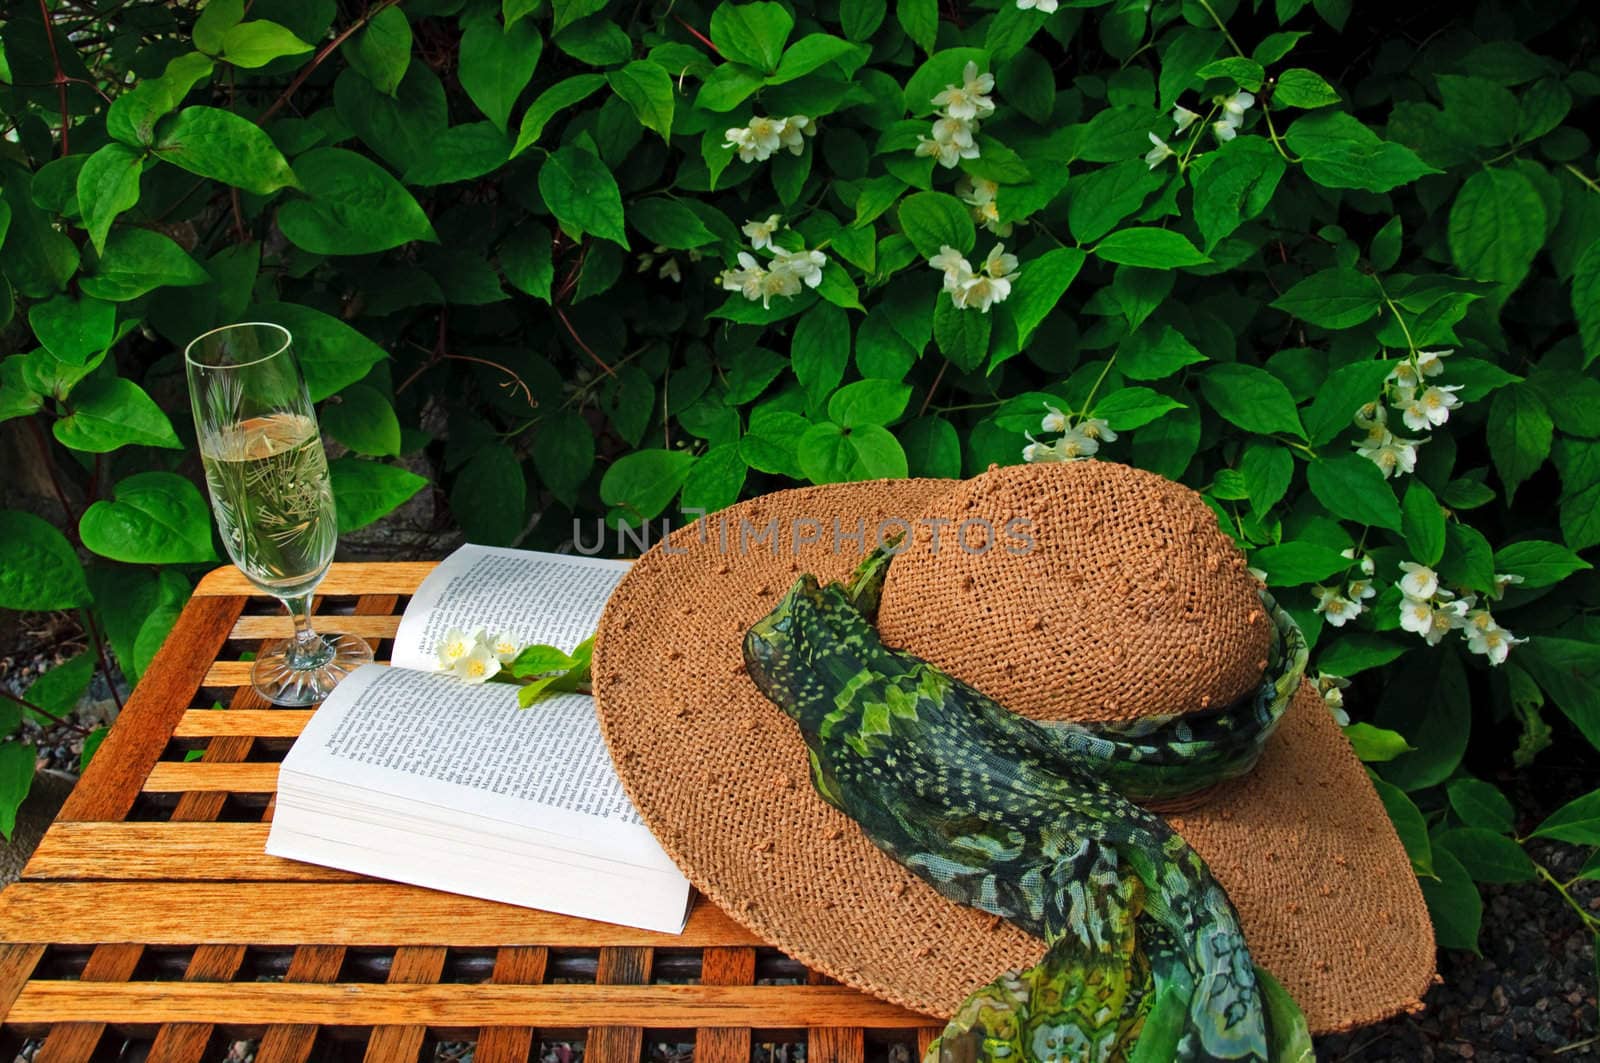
(1037, 823)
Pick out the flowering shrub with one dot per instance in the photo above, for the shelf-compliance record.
(583, 258)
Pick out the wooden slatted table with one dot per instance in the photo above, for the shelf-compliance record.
(151, 924)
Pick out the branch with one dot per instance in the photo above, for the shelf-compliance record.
(316, 60)
(61, 76)
(46, 713)
(562, 314)
(105, 660)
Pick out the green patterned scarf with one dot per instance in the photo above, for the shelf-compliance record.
(1036, 823)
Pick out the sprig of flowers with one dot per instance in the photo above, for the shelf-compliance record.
(981, 194)
(1080, 437)
(1231, 107)
(1422, 406)
(477, 657)
(1429, 610)
(785, 274)
(760, 138)
(976, 289)
(955, 131)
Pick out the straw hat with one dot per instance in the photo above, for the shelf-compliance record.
(1081, 591)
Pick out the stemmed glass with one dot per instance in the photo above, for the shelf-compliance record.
(271, 495)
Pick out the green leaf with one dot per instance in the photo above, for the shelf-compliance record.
(861, 18)
(133, 115)
(218, 144)
(943, 69)
(107, 185)
(728, 86)
(382, 50)
(364, 491)
(1134, 407)
(1294, 563)
(1109, 194)
(74, 330)
(215, 20)
(552, 101)
(1478, 110)
(16, 779)
(1579, 464)
(810, 53)
(1519, 434)
(460, 153)
(828, 453)
(1468, 559)
(1496, 226)
(869, 401)
(137, 261)
(1039, 287)
(1487, 856)
(1427, 702)
(497, 64)
(1289, 1035)
(640, 484)
(1576, 822)
(1480, 804)
(1336, 151)
(669, 223)
(110, 412)
(716, 479)
(1454, 905)
(1539, 563)
(1353, 488)
(1422, 522)
(401, 128)
(258, 42)
(752, 34)
(1336, 298)
(570, 11)
(648, 90)
(355, 207)
(1298, 87)
(1375, 745)
(1251, 398)
(362, 419)
(932, 447)
(920, 20)
(60, 689)
(489, 497)
(1247, 73)
(1346, 390)
(582, 194)
(1356, 652)
(1569, 671)
(819, 350)
(1234, 185)
(564, 454)
(1586, 301)
(1155, 248)
(331, 354)
(1148, 354)
(931, 220)
(1267, 469)
(154, 518)
(38, 258)
(38, 569)
(961, 335)
(1409, 825)
(526, 259)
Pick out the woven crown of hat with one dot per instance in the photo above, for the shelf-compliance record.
(1115, 595)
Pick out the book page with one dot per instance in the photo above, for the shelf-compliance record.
(555, 599)
(432, 739)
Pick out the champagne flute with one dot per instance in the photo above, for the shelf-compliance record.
(271, 495)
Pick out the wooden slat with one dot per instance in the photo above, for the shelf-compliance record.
(263, 723)
(837, 1042)
(218, 852)
(108, 788)
(292, 913)
(204, 806)
(16, 967)
(511, 1044)
(236, 673)
(393, 577)
(925, 1039)
(141, 1004)
(291, 1042)
(725, 967)
(619, 1044)
(281, 627)
(199, 776)
(185, 1031)
(419, 965)
(74, 1042)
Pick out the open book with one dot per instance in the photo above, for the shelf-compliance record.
(410, 774)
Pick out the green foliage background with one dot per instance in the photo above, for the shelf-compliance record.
(495, 230)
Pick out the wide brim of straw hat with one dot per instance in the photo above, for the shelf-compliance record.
(1328, 900)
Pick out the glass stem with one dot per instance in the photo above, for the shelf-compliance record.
(307, 649)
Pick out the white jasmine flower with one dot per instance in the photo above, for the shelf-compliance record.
(1000, 264)
(455, 645)
(1335, 608)
(1429, 363)
(802, 265)
(1501, 582)
(1360, 590)
(1158, 154)
(1259, 573)
(1183, 118)
(761, 137)
(1097, 428)
(747, 279)
(1431, 620)
(1332, 688)
(478, 666)
(792, 132)
(1224, 130)
(767, 133)
(1390, 453)
(669, 271)
(1404, 375)
(969, 99)
(776, 282)
(760, 232)
(1075, 446)
(1419, 581)
(505, 647)
(1416, 616)
(1364, 561)
(957, 270)
(952, 141)
(1432, 408)
(1234, 107)
(1047, 7)
(1054, 421)
(1488, 638)
(741, 138)
(982, 292)
(976, 191)
(1037, 451)
(1373, 415)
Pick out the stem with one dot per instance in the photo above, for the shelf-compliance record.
(316, 60)
(100, 651)
(1272, 132)
(1580, 175)
(1088, 402)
(933, 387)
(50, 465)
(60, 78)
(306, 649)
(1589, 921)
(1194, 138)
(697, 35)
(1235, 44)
(46, 713)
(1411, 344)
(601, 362)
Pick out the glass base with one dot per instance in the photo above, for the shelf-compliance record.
(277, 679)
